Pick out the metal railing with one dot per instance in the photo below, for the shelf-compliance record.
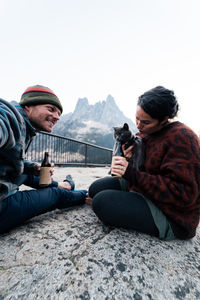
(67, 151)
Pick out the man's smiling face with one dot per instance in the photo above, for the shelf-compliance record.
(43, 117)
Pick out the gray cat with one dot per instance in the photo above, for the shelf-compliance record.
(123, 135)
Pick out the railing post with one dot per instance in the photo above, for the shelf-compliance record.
(111, 154)
(85, 154)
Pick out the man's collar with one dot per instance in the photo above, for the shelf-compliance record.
(23, 113)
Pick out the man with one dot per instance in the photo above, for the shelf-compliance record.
(39, 109)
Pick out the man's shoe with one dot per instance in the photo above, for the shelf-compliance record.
(71, 182)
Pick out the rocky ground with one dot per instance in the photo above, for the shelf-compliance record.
(69, 254)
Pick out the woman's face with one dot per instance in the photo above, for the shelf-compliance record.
(146, 124)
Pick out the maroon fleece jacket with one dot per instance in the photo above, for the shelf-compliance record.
(171, 176)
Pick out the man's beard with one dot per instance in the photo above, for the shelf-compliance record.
(38, 127)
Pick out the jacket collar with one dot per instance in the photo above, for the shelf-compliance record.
(31, 129)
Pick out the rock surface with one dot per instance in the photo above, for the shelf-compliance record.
(70, 254)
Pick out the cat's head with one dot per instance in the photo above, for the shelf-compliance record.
(122, 134)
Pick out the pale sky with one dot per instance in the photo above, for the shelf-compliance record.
(92, 48)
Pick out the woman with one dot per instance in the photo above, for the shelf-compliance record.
(163, 200)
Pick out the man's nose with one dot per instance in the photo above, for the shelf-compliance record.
(56, 116)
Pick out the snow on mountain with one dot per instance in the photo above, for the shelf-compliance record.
(93, 123)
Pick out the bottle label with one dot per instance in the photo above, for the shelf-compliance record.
(45, 176)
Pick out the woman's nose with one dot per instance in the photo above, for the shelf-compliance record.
(138, 124)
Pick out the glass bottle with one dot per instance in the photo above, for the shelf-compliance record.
(117, 151)
(45, 175)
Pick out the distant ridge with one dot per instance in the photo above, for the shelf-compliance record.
(93, 123)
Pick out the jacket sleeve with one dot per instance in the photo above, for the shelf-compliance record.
(29, 167)
(9, 128)
(178, 180)
(3, 133)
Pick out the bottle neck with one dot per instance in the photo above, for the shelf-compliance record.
(45, 162)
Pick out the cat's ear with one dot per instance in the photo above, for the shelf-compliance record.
(126, 127)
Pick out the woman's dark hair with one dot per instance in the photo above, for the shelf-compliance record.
(159, 102)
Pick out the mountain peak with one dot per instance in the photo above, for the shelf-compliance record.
(93, 123)
(82, 102)
(110, 99)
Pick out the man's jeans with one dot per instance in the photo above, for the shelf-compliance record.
(24, 205)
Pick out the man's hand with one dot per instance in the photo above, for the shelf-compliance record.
(37, 167)
(36, 170)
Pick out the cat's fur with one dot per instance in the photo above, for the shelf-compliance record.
(123, 135)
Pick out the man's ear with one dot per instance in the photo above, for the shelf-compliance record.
(27, 109)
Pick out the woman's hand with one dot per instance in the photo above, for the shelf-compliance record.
(119, 165)
(127, 152)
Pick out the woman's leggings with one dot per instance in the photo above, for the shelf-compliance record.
(121, 208)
